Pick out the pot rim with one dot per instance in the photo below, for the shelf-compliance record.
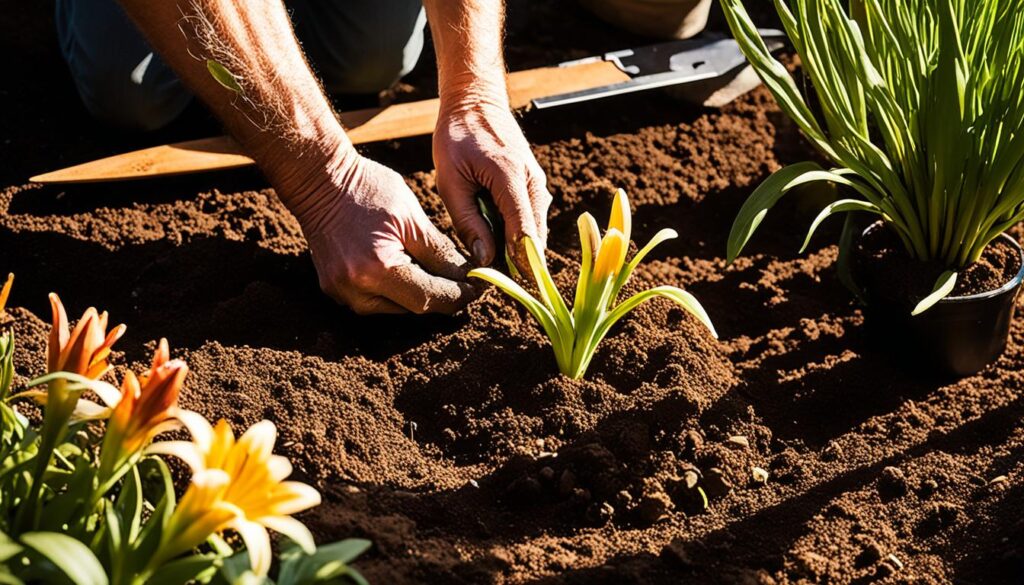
(1008, 286)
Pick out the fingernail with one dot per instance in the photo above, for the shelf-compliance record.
(479, 252)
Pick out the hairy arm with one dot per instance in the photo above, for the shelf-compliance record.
(363, 224)
(282, 118)
(477, 144)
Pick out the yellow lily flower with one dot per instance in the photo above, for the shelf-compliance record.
(201, 512)
(256, 488)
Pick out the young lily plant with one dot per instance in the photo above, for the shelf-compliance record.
(921, 108)
(576, 332)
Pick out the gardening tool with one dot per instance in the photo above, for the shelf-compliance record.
(614, 73)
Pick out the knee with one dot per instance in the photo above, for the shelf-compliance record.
(118, 77)
(372, 72)
(361, 47)
(115, 98)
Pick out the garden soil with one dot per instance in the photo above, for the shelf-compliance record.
(787, 451)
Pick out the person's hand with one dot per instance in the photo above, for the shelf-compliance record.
(374, 248)
(478, 146)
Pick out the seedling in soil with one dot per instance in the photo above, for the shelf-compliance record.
(922, 112)
(575, 333)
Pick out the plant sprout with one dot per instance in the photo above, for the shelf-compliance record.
(922, 110)
(575, 333)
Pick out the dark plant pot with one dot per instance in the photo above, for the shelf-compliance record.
(957, 336)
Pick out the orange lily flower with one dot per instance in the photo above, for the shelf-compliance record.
(257, 489)
(146, 407)
(86, 348)
(83, 351)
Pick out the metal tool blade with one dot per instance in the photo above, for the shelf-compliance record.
(663, 65)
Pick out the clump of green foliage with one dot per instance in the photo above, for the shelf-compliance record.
(922, 108)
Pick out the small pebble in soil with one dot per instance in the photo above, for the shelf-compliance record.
(692, 442)
(869, 555)
(691, 477)
(716, 484)
(623, 499)
(892, 483)
(682, 554)
(928, 488)
(997, 480)
(760, 475)
(832, 452)
(812, 564)
(525, 490)
(654, 503)
(566, 483)
(546, 474)
(893, 560)
(943, 515)
(600, 513)
(580, 497)
(738, 442)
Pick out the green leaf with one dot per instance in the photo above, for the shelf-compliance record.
(129, 503)
(8, 547)
(345, 551)
(841, 206)
(623, 278)
(766, 196)
(6, 363)
(186, 570)
(224, 77)
(72, 557)
(844, 267)
(943, 286)
(549, 294)
(329, 562)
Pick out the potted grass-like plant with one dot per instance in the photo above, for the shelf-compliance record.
(919, 104)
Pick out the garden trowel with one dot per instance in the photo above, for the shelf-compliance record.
(674, 63)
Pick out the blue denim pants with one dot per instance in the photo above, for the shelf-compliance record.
(354, 46)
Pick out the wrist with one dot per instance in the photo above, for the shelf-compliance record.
(471, 91)
(309, 182)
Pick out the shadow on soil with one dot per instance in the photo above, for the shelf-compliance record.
(208, 288)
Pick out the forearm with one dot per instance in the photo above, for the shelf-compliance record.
(281, 118)
(467, 37)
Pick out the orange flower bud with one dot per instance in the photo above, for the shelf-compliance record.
(147, 407)
(85, 349)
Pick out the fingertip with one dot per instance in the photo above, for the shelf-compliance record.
(482, 252)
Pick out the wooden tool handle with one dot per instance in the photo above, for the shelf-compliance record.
(362, 126)
(419, 118)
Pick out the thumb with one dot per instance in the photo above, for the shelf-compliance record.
(459, 196)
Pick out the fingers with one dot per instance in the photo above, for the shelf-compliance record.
(433, 250)
(459, 196)
(541, 199)
(375, 305)
(412, 288)
(512, 195)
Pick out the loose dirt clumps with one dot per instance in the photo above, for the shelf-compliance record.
(789, 451)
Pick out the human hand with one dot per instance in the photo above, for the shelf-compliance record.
(374, 248)
(478, 146)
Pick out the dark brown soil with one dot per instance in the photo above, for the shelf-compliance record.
(453, 444)
(891, 273)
